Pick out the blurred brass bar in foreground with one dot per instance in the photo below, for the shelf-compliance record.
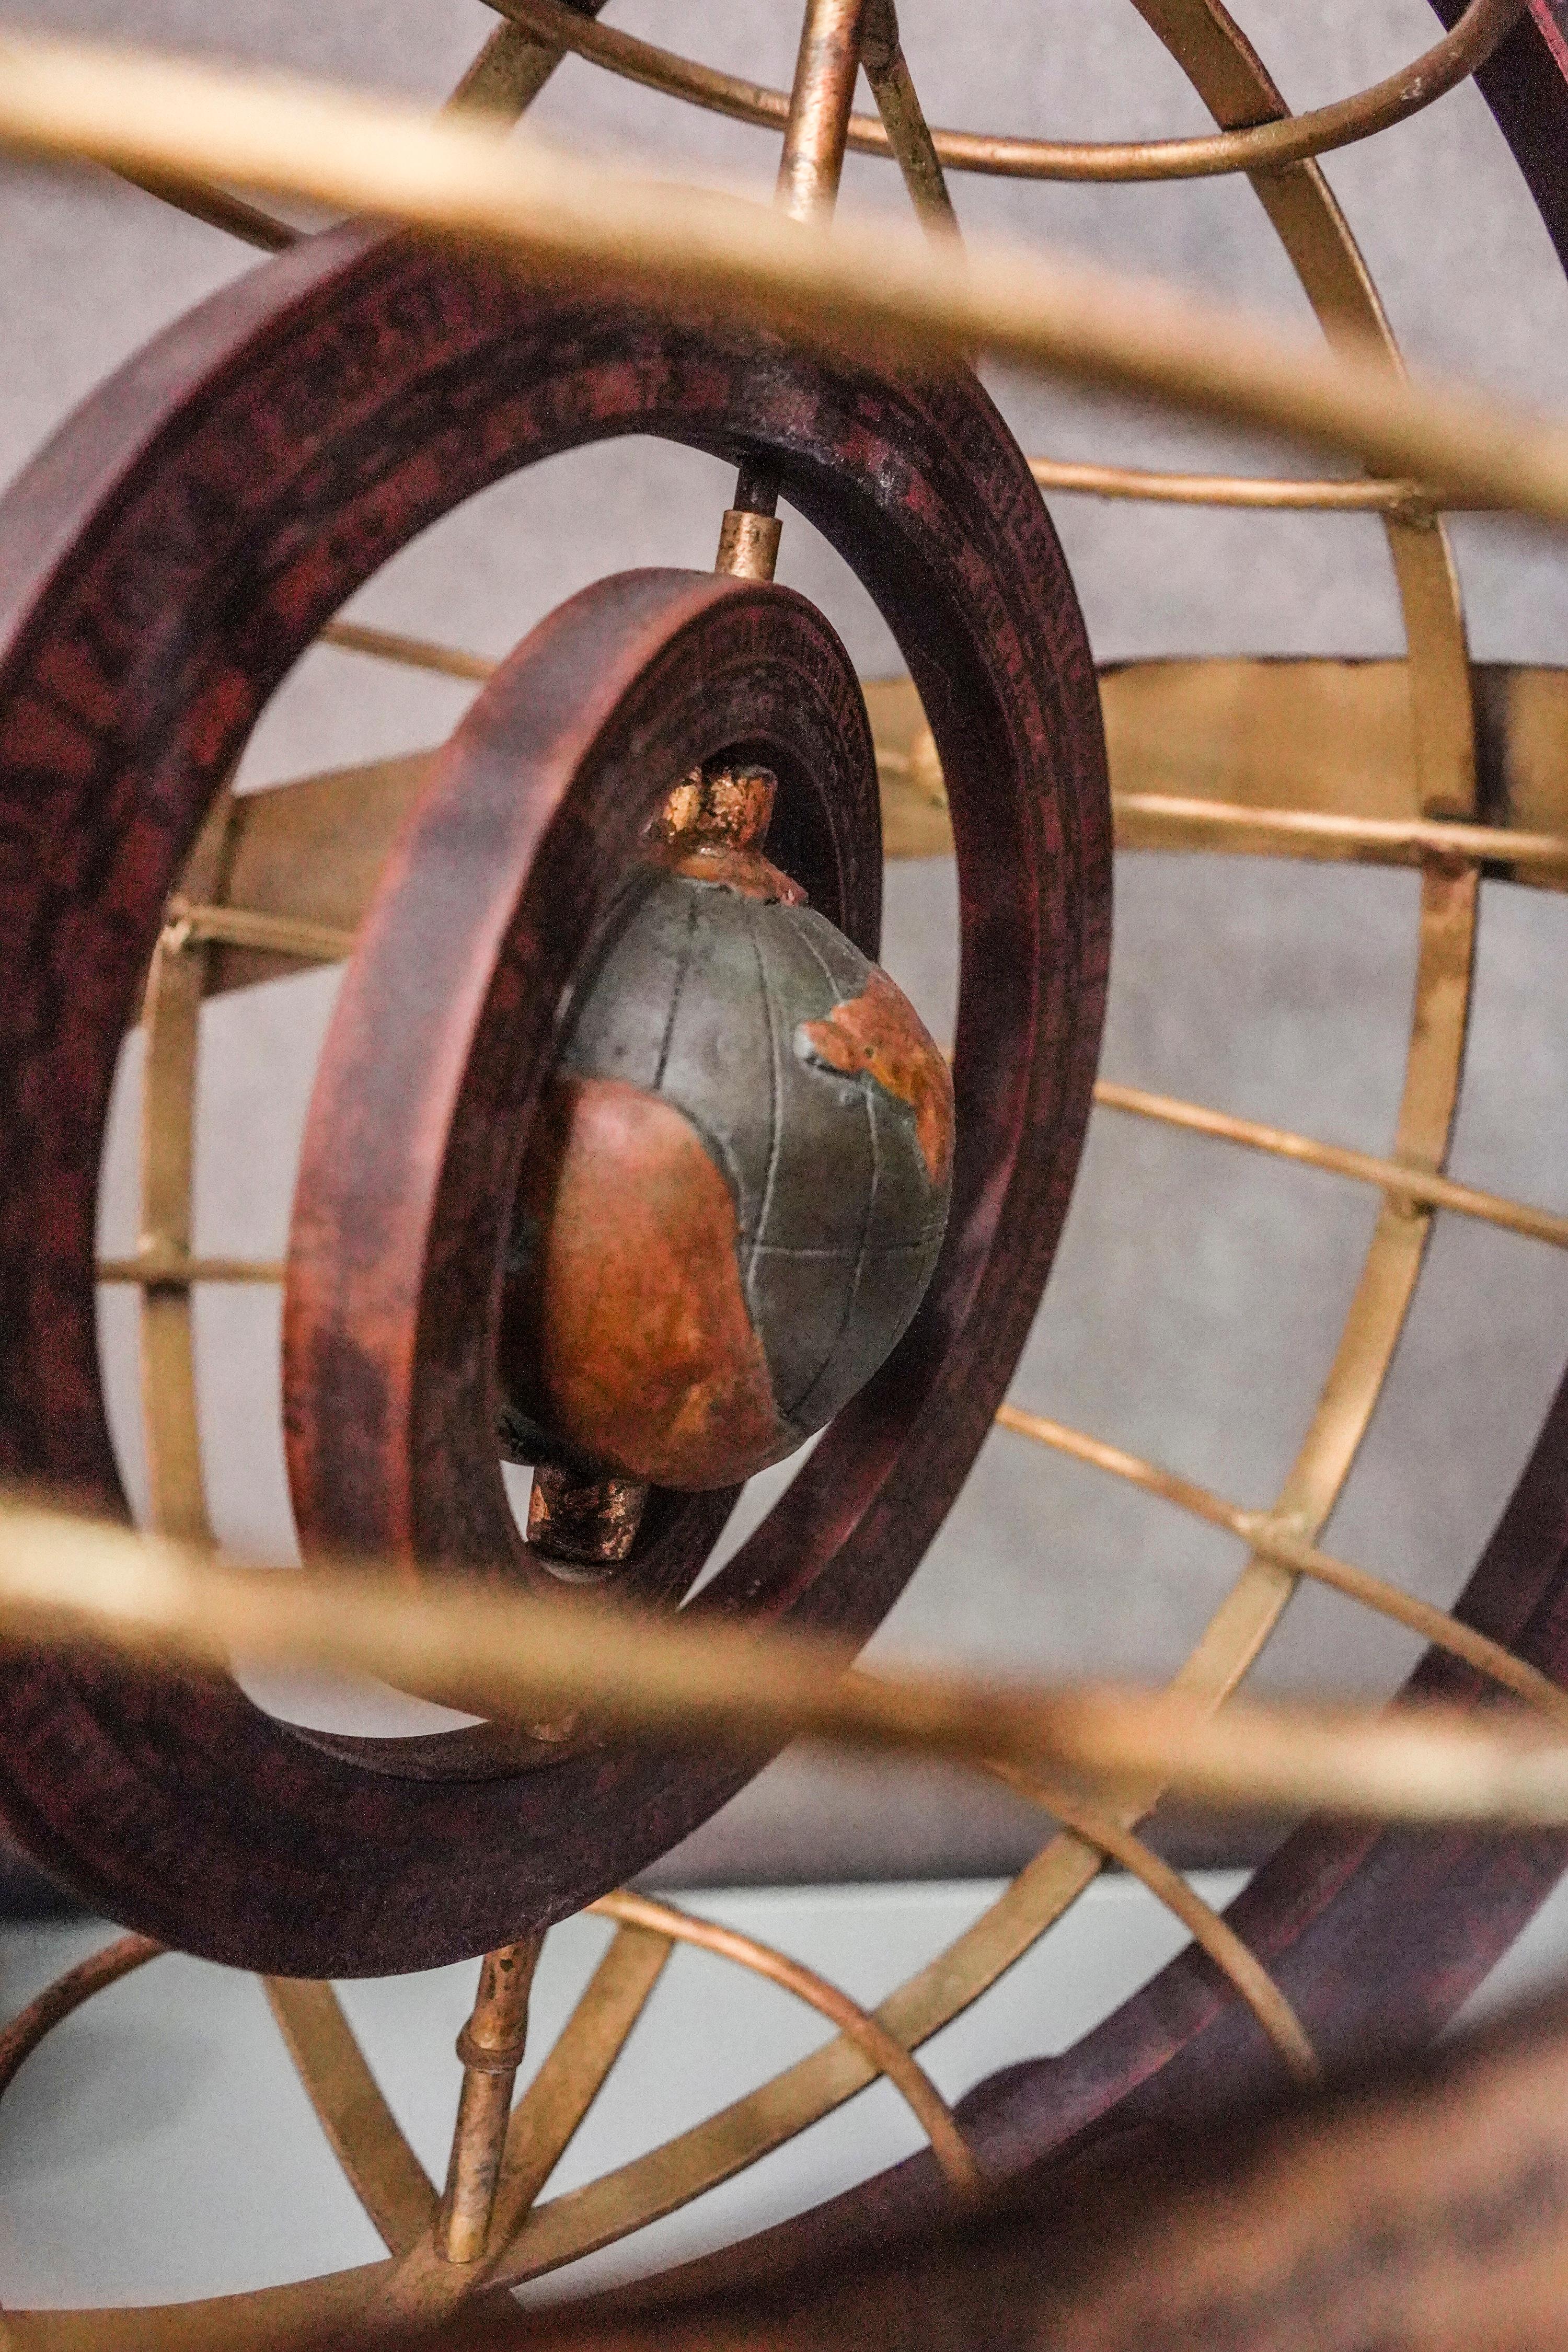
(1417, 1184)
(869, 288)
(1262, 147)
(65, 1579)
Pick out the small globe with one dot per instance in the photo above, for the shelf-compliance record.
(736, 1190)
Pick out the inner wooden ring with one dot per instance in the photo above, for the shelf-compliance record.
(446, 1031)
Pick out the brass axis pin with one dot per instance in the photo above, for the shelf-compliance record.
(491, 2046)
(810, 168)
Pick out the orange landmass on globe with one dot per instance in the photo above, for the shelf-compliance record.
(878, 1034)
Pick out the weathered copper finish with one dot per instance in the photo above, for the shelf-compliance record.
(591, 1521)
(634, 1343)
(385, 1856)
(878, 1034)
(627, 1279)
(725, 805)
(710, 829)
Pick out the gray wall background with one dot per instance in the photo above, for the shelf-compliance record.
(1199, 1291)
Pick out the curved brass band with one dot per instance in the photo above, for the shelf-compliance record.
(1275, 493)
(1252, 1980)
(858, 2025)
(1272, 1538)
(1228, 76)
(1267, 146)
(360, 2130)
(1415, 1184)
(22, 2036)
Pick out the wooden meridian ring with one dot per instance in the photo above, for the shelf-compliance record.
(447, 1029)
(1375, 1937)
(162, 565)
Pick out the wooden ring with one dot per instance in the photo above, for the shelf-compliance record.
(162, 565)
(446, 1030)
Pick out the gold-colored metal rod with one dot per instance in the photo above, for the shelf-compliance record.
(1148, 818)
(508, 74)
(411, 653)
(1417, 1184)
(160, 1266)
(21, 2037)
(1203, 1922)
(1271, 1537)
(1358, 495)
(243, 926)
(491, 2047)
(858, 2025)
(515, 1658)
(810, 168)
(361, 2129)
(869, 288)
(811, 162)
(1262, 147)
(503, 82)
(550, 2112)
(216, 208)
(903, 119)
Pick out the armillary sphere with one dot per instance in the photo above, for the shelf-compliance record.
(628, 1163)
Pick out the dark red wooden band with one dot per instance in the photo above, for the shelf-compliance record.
(161, 567)
(444, 1031)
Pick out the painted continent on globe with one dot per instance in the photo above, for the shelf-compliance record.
(735, 1193)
